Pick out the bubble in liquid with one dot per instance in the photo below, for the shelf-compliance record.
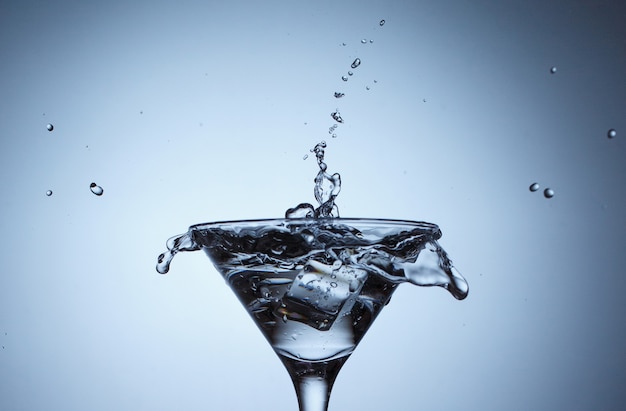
(367, 87)
(344, 78)
(612, 133)
(548, 193)
(371, 41)
(553, 70)
(534, 187)
(350, 73)
(364, 41)
(334, 135)
(381, 23)
(49, 193)
(305, 157)
(339, 95)
(96, 189)
(50, 127)
(343, 44)
(356, 63)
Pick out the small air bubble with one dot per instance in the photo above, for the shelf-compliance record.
(534, 187)
(548, 193)
(424, 100)
(364, 41)
(334, 135)
(381, 23)
(339, 95)
(96, 189)
(371, 41)
(612, 133)
(356, 63)
(367, 87)
(553, 70)
(49, 193)
(305, 157)
(343, 44)
(49, 127)
(344, 78)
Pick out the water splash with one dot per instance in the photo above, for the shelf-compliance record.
(327, 187)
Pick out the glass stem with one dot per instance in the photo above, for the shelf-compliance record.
(313, 393)
(313, 381)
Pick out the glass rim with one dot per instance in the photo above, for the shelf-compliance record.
(309, 220)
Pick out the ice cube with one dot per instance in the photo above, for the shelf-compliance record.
(319, 293)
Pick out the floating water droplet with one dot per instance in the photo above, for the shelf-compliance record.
(339, 95)
(50, 127)
(367, 87)
(344, 78)
(381, 23)
(96, 189)
(336, 116)
(305, 157)
(49, 193)
(548, 193)
(371, 41)
(553, 70)
(350, 73)
(534, 187)
(612, 133)
(364, 41)
(356, 63)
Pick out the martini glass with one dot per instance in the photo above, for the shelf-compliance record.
(314, 286)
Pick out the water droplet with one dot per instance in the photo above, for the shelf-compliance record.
(305, 157)
(333, 284)
(375, 81)
(548, 193)
(96, 189)
(336, 116)
(424, 100)
(344, 78)
(364, 41)
(356, 63)
(50, 127)
(343, 44)
(371, 41)
(553, 70)
(334, 135)
(381, 23)
(534, 187)
(612, 133)
(367, 87)
(339, 95)
(350, 73)
(49, 193)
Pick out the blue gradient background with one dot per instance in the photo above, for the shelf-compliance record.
(187, 112)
